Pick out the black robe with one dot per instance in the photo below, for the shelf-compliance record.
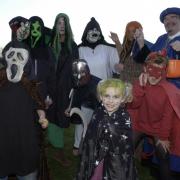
(64, 84)
(108, 138)
(19, 149)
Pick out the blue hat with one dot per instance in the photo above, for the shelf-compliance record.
(173, 10)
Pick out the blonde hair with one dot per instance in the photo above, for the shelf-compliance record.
(125, 89)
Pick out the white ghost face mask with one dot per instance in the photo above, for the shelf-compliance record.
(16, 59)
(93, 36)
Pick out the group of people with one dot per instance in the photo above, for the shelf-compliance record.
(121, 89)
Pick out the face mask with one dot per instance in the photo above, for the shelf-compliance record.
(35, 33)
(93, 36)
(81, 73)
(23, 31)
(156, 72)
(16, 59)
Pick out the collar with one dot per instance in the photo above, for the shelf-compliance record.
(172, 37)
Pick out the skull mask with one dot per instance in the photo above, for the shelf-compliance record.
(93, 36)
(16, 59)
(81, 72)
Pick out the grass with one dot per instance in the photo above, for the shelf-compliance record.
(59, 172)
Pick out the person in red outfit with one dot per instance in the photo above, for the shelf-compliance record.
(155, 111)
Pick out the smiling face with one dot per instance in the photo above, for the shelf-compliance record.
(172, 23)
(111, 99)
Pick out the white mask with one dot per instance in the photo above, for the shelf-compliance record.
(16, 59)
(93, 36)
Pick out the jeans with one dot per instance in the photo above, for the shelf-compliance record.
(31, 176)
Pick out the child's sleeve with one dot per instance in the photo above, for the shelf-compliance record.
(138, 94)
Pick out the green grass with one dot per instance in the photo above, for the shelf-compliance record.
(59, 172)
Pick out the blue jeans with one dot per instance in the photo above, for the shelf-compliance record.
(31, 176)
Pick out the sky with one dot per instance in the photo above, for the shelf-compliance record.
(112, 15)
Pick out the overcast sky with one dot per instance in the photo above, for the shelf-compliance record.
(112, 15)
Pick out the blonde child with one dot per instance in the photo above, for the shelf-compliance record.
(107, 151)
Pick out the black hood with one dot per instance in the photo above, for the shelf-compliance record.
(90, 26)
(15, 23)
(41, 41)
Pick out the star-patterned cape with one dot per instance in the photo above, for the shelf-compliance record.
(108, 140)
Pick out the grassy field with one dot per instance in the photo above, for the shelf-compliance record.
(59, 172)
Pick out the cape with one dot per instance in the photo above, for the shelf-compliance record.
(174, 97)
(108, 140)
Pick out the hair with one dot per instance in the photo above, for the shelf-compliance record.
(69, 38)
(125, 89)
(159, 58)
(127, 44)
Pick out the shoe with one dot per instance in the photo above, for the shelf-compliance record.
(62, 159)
(75, 151)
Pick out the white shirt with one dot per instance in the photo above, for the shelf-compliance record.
(101, 60)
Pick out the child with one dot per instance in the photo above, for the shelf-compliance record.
(107, 151)
(20, 100)
(155, 111)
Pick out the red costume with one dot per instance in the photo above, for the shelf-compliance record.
(155, 111)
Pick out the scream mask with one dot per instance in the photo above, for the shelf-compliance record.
(16, 59)
(81, 72)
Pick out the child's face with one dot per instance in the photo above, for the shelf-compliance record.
(155, 73)
(111, 99)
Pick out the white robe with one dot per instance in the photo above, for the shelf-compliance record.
(101, 60)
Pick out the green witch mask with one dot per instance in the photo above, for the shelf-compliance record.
(35, 33)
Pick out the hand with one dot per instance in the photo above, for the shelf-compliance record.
(67, 112)
(129, 94)
(114, 37)
(143, 79)
(118, 67)
(43, 122)
(165, 144)
(176, 45)
(139, 36)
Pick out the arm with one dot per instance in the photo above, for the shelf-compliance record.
(138, 95)
(42, 118)
(142, 54)
(117, 42)
(51, 80)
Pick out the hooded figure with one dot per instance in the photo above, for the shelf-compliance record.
(20, 28)
(19, 97)
(101, 58)
(43, 58)
(92, 35)
(65, 51)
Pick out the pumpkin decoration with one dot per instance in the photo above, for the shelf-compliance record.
(173, 69)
